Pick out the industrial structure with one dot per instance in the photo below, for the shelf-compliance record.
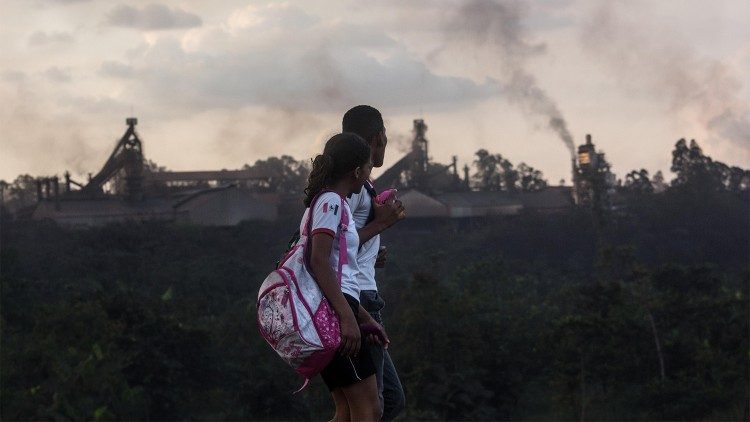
(430, 189)
(593, 182)
(127, 189)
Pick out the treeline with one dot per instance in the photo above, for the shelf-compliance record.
(517, 318)
(536, 316)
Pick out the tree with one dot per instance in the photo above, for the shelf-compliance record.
(509, 175)
(697, 171)
(285, 174)
(495, 173)
(20, 193)
(530, 179)
(487, 177)
(658, 182)
(638, 182)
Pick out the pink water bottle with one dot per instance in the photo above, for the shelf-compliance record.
(385, 196)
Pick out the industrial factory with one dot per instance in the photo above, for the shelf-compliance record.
(435, 190)
(128, 187)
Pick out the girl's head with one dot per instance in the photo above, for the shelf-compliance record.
(345, 159)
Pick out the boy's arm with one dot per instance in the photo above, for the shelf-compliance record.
(386, 215)
(373, 332)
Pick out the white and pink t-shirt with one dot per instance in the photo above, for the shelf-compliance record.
(326, 219)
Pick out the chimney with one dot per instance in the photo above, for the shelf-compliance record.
(38, 190)
(46, 188)
(574, 181)
(466, 175)
(455, 166)
(56, 187)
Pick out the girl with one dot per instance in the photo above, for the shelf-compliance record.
(340, 171)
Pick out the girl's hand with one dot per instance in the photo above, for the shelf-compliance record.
(350, 335)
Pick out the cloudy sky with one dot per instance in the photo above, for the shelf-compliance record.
(223, 83)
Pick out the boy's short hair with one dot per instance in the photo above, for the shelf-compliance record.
(363, 120)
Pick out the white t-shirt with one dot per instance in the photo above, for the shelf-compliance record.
(360, 204)
(326, 219)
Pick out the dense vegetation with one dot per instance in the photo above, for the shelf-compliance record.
(526, 317)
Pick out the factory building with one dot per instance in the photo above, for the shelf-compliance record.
(125, 190)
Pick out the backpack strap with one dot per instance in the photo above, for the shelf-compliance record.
(343, 226)
(373, 195)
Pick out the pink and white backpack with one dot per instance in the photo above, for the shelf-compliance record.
(294, 316)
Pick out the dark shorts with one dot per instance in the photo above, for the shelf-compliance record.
(345, 371)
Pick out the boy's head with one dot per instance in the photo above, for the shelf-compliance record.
(367, 122)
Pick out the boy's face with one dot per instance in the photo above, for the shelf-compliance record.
(362, 174)
(377, 146)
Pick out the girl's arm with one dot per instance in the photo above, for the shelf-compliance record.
(320, 264)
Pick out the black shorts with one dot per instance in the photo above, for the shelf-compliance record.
(344, 371)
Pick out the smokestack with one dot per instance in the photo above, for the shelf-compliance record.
(455, 166)
(574, 181)
(46, 188)
(588, 139)
(466, 175)
(56, 186)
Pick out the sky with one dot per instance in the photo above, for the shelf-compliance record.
(220, 84)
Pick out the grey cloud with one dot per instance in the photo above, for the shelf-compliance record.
(39, 38)
(288, 17)
(45, 138)
(644, 56)
(251, 133)
(732, 125)
(116, 70)
(12, 76)
(300, 72)
(152, 17)
(56, 74)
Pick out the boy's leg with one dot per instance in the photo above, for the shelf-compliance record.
(373, 303)
(392, 391)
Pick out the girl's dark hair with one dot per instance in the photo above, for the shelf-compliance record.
(343, 153)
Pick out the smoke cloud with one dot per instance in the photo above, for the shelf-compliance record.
(643, 56)
(498, 26)
(45, 141)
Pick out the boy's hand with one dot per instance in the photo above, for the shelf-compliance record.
(382, 257)
(375, 334)
(389, 213)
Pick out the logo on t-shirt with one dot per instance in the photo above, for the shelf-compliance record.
(333, 208)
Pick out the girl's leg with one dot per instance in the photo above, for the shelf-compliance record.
(342, 408)
(362, 398)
